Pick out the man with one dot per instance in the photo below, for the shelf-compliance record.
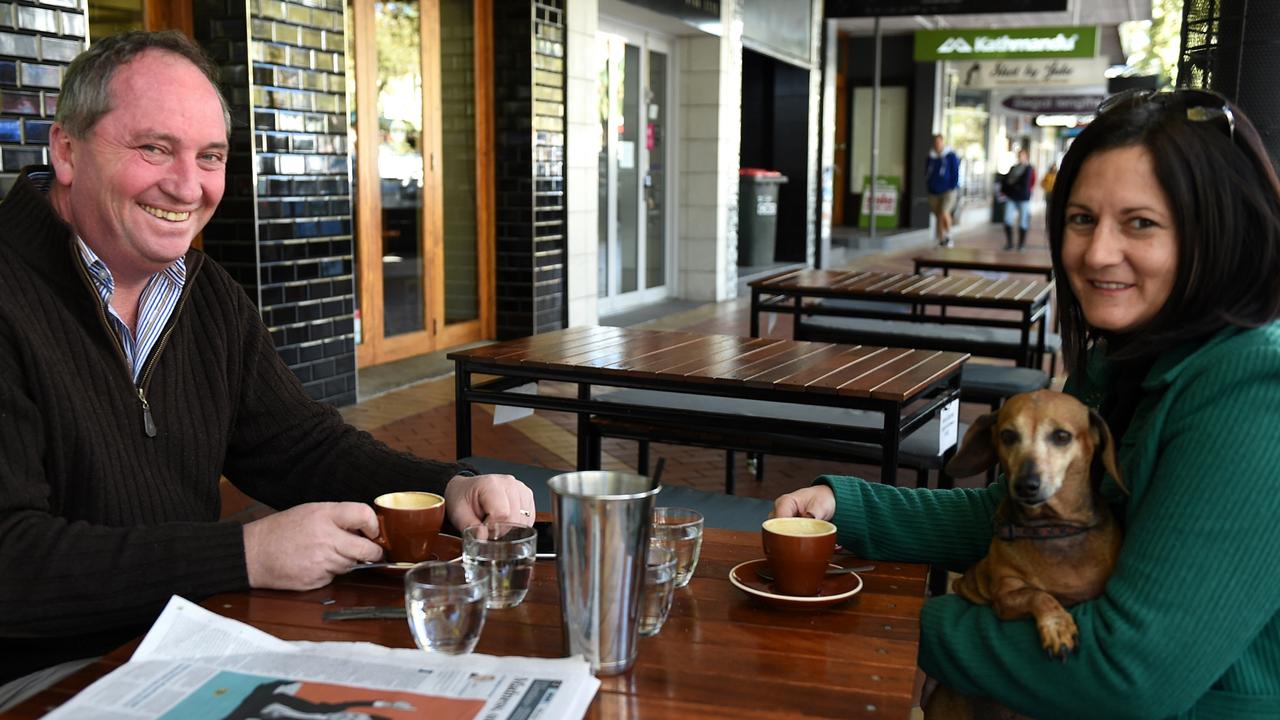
(134, 372)
(942, 173)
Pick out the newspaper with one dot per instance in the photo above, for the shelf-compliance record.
(195, 664)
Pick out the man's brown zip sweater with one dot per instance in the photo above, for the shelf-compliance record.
(100, 522)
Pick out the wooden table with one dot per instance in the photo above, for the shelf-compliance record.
(1032, 262)
(721, 653)
(792, 293)
(908, 386)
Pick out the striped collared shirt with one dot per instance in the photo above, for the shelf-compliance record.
(158, 300)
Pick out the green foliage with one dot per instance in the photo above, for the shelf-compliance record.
(1160, 54)
(398, 41)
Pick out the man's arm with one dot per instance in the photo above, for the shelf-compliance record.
(61, 577)
(286, 449)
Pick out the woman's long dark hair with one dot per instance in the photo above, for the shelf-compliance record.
(1225, 199)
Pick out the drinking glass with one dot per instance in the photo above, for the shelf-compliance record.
(680, 530)
(659, 586)
(507, 551)
(445, 606)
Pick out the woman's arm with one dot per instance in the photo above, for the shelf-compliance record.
(879, 521)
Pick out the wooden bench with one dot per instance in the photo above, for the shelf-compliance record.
(984, 383)
(918, 451)
(998, 318)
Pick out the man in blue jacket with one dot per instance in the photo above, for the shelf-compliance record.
(943, 178)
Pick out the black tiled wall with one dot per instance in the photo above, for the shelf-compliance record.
(284, 229)
(529, 83)
(37, 41)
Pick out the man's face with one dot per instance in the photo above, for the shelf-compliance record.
(938, 144)
(149, 174)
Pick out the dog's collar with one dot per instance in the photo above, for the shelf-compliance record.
(1009, 531)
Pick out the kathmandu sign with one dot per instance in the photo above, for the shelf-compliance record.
(1051, 42)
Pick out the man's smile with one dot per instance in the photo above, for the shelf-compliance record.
(169, 215)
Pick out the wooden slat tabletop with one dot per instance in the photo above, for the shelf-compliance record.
(595, 354)
(902, 287)
(721, 653)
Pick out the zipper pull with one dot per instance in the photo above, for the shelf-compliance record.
(148, 423)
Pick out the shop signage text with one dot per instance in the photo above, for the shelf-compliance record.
(1054, 104)
(989, 74)
(886, 200)
(1051, 42)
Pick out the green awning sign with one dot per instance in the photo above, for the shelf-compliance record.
(1048, 42)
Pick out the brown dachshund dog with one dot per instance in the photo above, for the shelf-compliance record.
(1055, 541)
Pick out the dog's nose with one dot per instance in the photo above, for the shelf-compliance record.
(1027, 484)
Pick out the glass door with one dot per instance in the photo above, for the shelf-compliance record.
(633, 191)
(421, 148)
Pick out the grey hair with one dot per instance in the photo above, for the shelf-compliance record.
(86, 94)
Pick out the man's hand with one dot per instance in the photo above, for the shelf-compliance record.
(304, 547)
(815, 501)
(469, 500)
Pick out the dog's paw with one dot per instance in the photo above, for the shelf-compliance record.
(1058, 634)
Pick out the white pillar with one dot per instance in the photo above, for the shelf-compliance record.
(711, 130)
(583, 149)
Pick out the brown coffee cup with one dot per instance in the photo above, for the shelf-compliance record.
(798, 550)
(408, 523)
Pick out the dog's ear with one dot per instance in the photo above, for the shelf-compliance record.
(1102, 443)
(977, 451)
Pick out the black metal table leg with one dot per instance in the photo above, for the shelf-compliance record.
(584, 422)
(462, 410)
(892, 431)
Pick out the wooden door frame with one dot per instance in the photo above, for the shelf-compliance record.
(169, 15)
(376, 349)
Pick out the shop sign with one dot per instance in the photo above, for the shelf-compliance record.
(886, 199)
(881, 8)
(1054, 104)
(973, 44)
(991, 74)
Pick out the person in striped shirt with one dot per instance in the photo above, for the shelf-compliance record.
(135, 373)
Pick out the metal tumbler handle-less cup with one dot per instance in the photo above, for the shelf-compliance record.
(602, 524)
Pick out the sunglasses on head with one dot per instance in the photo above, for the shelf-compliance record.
(1199, 105)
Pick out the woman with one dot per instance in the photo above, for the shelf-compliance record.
(1165, 224)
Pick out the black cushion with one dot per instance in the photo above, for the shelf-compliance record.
(919, 449)
(925, 331)
(985, 382)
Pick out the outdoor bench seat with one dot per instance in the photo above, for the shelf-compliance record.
(1004, 342)
(718, 510)
(985, 385)
(991, 384)
(918, 451)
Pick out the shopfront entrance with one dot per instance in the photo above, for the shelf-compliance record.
(418, 80)
(636, 117)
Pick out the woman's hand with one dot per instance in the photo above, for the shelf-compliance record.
(816, 501)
